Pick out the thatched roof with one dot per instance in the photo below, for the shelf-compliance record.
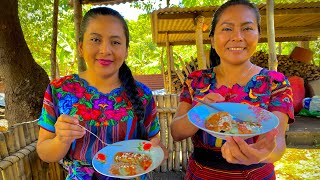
(293, 22)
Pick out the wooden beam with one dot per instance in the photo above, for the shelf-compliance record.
(186, 15)
(199, 43)
(169, 65)
(273, 62)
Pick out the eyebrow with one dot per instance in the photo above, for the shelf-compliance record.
(97, 34)
(242, 24)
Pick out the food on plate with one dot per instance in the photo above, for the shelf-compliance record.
(223, 122)
(130, 163)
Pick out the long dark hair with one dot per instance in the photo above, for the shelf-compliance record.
(125, 74)
(214, 57)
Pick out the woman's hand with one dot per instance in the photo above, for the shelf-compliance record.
(237, 151)
(67, 129)
(156, 142)
(213, 98)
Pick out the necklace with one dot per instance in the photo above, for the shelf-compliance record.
(239, 78)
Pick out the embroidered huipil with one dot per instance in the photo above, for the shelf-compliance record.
(269, 90)
(109, 116)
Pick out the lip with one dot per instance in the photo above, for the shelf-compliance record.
(104, 62)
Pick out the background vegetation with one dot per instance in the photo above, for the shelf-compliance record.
(144, 55)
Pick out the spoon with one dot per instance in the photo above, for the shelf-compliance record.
(98, 137)
(217, 109)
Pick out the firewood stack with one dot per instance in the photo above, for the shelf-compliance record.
(289, 67)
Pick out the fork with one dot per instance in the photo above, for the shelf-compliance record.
(98, 137)
(217, 109)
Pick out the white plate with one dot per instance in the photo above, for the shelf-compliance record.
(198, 115)
(136, 146)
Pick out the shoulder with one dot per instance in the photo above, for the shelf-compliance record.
(142, 88)
(201, 73)
(274, 75)
(58, 82)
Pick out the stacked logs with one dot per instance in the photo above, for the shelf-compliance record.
(289, 67)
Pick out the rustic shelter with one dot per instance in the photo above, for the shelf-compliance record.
(190, 26)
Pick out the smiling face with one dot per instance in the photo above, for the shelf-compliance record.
(236, 34)
(104, 46)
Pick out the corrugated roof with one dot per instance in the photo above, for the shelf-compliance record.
(293, 22)
(153, 81)
(106, 2)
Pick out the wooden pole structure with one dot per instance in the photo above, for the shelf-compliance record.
(273, 62)
(199, 43)
(77, 8)
(169, 64)
(304, 44)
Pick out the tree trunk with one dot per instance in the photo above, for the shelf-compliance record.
(24, 79)
(53, 55)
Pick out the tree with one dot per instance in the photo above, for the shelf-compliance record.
(24, 79)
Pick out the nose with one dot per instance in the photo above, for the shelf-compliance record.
(105, 48)
(237, 35)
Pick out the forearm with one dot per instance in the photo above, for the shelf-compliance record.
(52, 150)
(182, 128)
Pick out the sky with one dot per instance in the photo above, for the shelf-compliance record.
(132, 13)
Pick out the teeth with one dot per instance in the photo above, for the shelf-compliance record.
(236, 49)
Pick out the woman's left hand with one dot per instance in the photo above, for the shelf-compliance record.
(156, 142)
(237, 151)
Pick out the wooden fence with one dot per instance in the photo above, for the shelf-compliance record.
(19, 159)
(18, 156)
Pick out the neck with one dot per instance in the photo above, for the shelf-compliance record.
(103, 84)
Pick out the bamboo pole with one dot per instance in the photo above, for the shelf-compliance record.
(167, 104)
(199, 43)
(21, 136)
(26, 133)
(3, 146)
(36, 129)
(163, 134)
(9, 136)
(169, 68)
(273, 62)
(31, 131)
(16, 137)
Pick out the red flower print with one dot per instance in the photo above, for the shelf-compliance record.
(59, 81)
(74, 88)
(119, 99)
(87, 113)
(101, 157)
(117, 115)
(87, 96)
(147, 146)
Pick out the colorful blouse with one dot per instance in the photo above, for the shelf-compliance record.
(110, 116)
(269, 90)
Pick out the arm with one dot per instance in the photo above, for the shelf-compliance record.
(181, 127)
(51, 147)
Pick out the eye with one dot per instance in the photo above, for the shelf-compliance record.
(96, 40)
(116, 42)
(247, 28)
(226, 29)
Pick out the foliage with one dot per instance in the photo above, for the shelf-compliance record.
(144, 55)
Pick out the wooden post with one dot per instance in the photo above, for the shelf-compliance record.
(163, 139)
(169, 64)
(279, 48)
(304, 44)
(199, 42)
(162, 70)
(273, 62)
(77, 7)
(167, 101)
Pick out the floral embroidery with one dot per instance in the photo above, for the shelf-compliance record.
(75, 97)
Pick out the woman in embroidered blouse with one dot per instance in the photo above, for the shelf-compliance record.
(234, 36)
(105, 99)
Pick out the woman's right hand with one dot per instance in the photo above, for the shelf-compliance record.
(213, 98)
(67, 129)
